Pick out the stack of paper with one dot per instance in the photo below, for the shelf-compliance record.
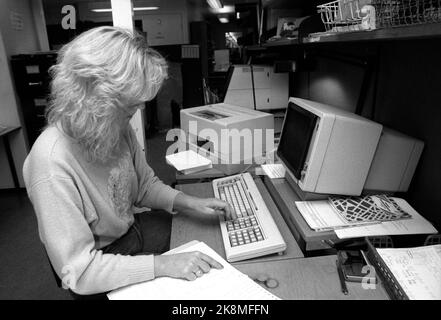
(224, 284)
(274, 171)
(188, 162)
(321, 216)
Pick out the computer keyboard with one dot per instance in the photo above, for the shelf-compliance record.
(254, 232)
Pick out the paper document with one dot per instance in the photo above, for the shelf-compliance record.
(415, 225)
(274, 171)
(417, 270)
(188, 161)
(225, 284)
(321, 216)
(368, 208)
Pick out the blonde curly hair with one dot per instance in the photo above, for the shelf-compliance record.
(98, 76)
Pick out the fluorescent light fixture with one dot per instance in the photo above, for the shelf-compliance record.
(102, 10)
(145, 8)
(224, 20)
(134, 9)
(215, 4)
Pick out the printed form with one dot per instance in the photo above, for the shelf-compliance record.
(417, 270)
(225, 284)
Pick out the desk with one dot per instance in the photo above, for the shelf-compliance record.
(4, 133)
(187, 227)
(208, 175)
(197, 177)
(310, 278)
(298, 277)
(285, 197)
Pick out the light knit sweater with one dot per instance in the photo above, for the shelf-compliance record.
(83, 206)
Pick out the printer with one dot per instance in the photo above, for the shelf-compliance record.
(232, 137)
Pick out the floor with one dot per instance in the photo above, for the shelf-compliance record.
(24, 269)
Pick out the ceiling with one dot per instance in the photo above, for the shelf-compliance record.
(207, 12)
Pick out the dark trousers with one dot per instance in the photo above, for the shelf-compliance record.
(150, 234)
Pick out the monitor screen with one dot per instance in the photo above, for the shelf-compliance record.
(296, 137)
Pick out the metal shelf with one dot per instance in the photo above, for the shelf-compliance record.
(431, 30)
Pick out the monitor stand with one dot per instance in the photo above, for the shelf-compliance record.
(303, 195)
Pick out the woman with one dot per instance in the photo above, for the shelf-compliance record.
(87, 176)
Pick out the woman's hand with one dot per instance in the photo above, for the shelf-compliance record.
(187, 265)
(209, 206)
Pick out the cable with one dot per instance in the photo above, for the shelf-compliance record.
(253, 88)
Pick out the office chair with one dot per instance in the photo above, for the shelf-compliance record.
(209, 96)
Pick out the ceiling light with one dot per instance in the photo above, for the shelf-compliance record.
(215, 4)
(223, 20)
(145, 8)
(102, 10)
(134, 9)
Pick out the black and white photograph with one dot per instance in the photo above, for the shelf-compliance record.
(137, 163)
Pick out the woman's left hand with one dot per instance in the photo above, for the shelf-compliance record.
(208, 206)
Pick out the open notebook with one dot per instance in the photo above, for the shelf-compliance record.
(225, 284)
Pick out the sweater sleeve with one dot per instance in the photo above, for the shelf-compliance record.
(70, 244)
(152, 192)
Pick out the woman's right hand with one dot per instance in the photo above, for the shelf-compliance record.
(187, 265)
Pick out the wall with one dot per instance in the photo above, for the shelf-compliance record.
(18, 41)
(14, 42)
(407, 99)
(54, 16)
(195, 12)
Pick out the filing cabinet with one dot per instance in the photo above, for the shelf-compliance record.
(257, 86)
(32, 82)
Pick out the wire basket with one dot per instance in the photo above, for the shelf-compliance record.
(344, 15)
(396, 13)
(358, 15)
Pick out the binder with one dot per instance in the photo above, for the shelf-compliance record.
(390, 283)
(389, 280)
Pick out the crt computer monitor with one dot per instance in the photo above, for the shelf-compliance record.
(326, 150)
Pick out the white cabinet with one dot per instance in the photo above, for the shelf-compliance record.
(164, 29)
(270, 89)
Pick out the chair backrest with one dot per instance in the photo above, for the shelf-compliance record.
(209, 96)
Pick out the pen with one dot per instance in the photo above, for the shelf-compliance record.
(344, 289)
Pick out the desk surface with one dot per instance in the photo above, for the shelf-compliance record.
(298, 278)
(310, 278)
(212, 173)
(285, 197)
(209, 174)
(187, 227)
